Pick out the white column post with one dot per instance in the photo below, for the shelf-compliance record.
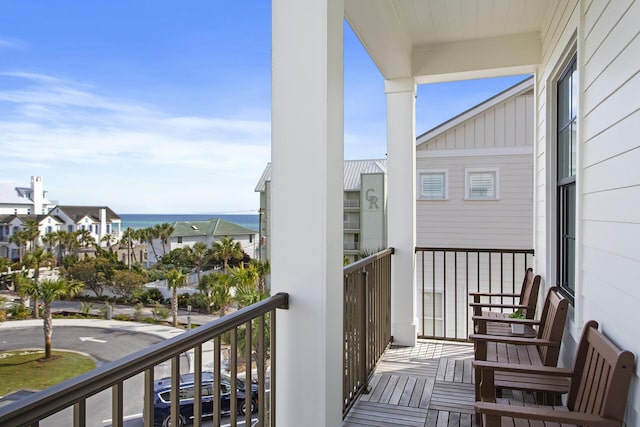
(306, 208)
(401, 206)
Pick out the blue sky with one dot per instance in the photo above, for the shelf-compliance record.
(164, 106)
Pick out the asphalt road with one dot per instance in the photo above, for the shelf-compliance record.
(103, 345)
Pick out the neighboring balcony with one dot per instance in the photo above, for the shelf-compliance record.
(351, 225)
(352, 203)
(351, 246)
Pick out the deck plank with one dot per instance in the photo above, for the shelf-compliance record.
(429, 385)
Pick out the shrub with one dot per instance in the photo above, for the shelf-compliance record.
(3, 315)
(200, 300)
(160, 312)
(19, 311)
(122, 317)
(183, 300)
(138, 315)
(85, 308)
(151, 296)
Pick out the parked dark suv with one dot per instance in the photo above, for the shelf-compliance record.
(162, 398)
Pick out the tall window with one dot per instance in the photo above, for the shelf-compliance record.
(567, 100)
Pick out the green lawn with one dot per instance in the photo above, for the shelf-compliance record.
(23, 369)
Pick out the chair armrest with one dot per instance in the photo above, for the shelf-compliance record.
(493, 294)
(544, 414)
(505, 320)
(513, 340)
(490, 305)
(551, 371)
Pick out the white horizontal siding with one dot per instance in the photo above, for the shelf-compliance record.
(608, 173)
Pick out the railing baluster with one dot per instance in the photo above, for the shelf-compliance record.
(175, 389)
(248, 349)
(117, 414)
(272, 380)
(148, 398)
(197, 386)
(217, 350)
(233, 366)
(260, 365)
(80, 414)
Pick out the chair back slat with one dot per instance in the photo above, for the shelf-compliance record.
(601, 376)
(552, 320)
(529, 293)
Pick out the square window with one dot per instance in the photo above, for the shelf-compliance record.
(481, 184)
(432, 185)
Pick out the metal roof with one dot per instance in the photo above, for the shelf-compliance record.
(211, 227)
(352, 171)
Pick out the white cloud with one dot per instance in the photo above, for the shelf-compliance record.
(11, 43)
(102, 144)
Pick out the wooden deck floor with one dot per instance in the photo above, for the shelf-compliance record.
(429, 385)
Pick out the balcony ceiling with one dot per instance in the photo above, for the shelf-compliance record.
(444, 40)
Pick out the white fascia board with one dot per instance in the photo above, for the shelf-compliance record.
(514, 91)
(476, 56)
(475, 152)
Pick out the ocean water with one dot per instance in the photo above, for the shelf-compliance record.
(136, 221)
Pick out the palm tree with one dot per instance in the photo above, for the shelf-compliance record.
(32, 231)
(175, 280)
(198, 252)
(263, 269)
(20, 239)
(221, 295)
(85, 239)
(148, 235)
(225, 250)
(164, 232)
(35, 259)
(48, 291)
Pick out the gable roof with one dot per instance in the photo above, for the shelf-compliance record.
(352, 171)
(76, 213)
(211, 227)
(518, 89)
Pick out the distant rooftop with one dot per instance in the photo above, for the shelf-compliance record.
(211, 227)
(352, 171)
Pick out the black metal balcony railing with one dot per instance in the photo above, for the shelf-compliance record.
(367, 321)
(445, 276)
(256, 323)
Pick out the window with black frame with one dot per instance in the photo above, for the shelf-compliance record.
(567, 106)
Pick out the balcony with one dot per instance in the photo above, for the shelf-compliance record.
(351, 246)
(352, 204)
(351, 225)
(429, 384)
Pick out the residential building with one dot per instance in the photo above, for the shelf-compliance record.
(99, 221)
(187, 233)
(32, 200)
(474, 184)
(364, 215)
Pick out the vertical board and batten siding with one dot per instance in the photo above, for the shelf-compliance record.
(503, 223)
(608, 173)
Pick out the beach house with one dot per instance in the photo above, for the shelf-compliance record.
(187, 233)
